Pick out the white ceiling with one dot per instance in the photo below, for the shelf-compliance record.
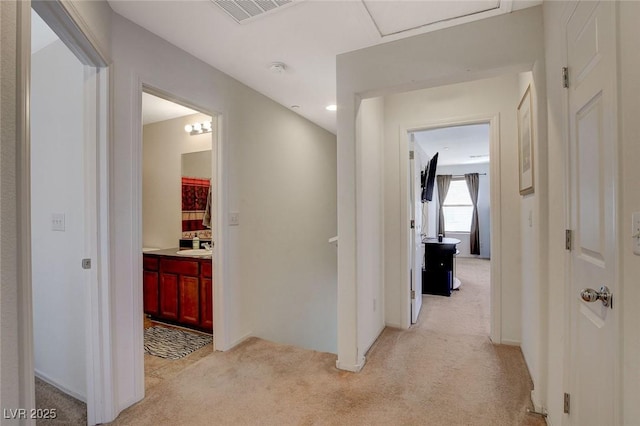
(456, 145)
(156, 109)
(306, 36)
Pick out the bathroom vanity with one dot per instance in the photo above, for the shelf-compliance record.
(178, 289)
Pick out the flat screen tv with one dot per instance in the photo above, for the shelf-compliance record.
(428, 179)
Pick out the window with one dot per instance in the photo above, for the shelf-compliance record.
(457, 207)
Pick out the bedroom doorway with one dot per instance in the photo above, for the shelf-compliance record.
(454, 158)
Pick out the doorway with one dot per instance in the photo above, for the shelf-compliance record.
(58, 224)
(454, 230)
(178, 188)
(65, 208)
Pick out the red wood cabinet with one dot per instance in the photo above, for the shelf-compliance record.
(169, 296)
(150, 285)
(206, 296)
(190, 300)
(179, 290)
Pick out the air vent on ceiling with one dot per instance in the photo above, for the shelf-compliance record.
(244, 10)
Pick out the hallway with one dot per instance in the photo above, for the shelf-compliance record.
(443, 371)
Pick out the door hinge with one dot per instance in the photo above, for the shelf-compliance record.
(567, 239)
(567, 403)
(413, 224)
(413, 294)
(410, 155)
(565, 77)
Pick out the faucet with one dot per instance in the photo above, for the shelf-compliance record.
(207, 246)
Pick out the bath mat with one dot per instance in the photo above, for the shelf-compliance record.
(172, 344)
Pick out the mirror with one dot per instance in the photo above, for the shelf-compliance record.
(196, 180)
(197, 164)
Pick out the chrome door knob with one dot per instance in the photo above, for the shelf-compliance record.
(603, 294)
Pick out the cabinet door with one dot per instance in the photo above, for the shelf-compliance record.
(206, 304)
(150, 292)
(169, 296)
(189, 300)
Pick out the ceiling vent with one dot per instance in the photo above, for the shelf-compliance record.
(243, 11)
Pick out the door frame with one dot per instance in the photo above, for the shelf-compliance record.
(495, 214)
(413, 252)
(64, 19)
(219, 201)
(569, 296)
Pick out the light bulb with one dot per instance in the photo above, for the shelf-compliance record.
(332, 108)
(197, 127)
(206, 126)
(188, 128)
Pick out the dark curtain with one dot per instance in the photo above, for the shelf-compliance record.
(443, 182)
(474, 237)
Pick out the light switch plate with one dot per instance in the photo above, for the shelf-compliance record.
(635, 232)
(234, 218)
(57, 222)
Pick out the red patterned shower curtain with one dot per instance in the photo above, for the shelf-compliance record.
(194, 202)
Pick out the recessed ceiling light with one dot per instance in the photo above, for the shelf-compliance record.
(295, 106)
(332, 107)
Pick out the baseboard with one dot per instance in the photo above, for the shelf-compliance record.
(355, 368)
(538, 407)
(510, 342)
(40, 375)
(535, 400)
(236, 342)
(373, 342)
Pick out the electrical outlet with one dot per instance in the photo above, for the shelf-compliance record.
(57, 222)
(234, 218)
(635, 232)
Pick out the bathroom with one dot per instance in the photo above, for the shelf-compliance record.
(177, 196)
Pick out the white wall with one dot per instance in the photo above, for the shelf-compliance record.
(14, 388)
(533, 231)
(497, 95)
(57, 137)
(279, 272)
(485, 48)
(629, 101)
(370, 122)
(163, 144)
(94, 19)
(484, 204)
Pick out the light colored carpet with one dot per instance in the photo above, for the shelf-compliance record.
(69, 411)
(443, 371)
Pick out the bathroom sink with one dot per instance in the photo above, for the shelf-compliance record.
(194, 252)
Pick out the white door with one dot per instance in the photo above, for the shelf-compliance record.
(590, 34)
(417, 248)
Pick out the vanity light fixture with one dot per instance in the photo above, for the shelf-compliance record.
(198, 128)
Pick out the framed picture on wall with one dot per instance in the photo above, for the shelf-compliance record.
(525, 143)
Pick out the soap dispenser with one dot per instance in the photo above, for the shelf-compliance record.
(196, 243)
